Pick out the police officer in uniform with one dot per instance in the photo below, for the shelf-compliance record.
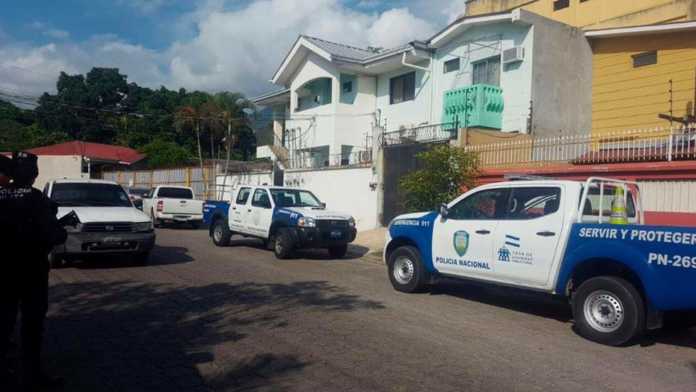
(28, 231)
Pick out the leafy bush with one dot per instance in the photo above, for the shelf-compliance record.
(161, 153)
(445, 170)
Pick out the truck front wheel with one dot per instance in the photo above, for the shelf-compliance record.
(283, 245)
(406, 270)
(608, 310)
(338, 252)
(221, 233)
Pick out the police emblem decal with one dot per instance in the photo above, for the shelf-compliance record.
(461, 242)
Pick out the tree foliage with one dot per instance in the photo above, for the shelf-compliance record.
(164, 153)
(103, 107)
(445, 170)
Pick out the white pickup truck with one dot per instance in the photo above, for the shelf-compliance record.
(110, 224)
(555, 237)
(173, 204)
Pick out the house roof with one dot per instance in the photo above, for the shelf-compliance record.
(93, 151)
(639, 30)
(342, 50)
(334, 51)
(272, 97)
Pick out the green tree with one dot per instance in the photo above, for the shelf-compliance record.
(162, 153)
(445, 170)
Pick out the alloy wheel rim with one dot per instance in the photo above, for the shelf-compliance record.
(404, 270)
(218, 233)
(604, 311)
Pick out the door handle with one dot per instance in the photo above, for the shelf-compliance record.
(546, 234)
(483, 232)
(234, 208)
(249, 210)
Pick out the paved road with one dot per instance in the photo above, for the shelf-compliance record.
(205, 318)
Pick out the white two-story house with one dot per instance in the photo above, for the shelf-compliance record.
(511, 72)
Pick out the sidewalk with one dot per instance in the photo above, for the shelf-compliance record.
(370, 244)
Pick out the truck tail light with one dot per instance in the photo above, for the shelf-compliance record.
(160, 206)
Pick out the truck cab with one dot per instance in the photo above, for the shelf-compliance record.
(285, 218)
(554, 237)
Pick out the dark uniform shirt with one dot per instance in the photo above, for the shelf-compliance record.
(28, 229)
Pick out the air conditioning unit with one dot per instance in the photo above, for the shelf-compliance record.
(513, 55)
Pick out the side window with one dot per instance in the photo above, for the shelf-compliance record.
(533, 202)
(45, 190)
(485, 205)
(261, 199)
(243, 196)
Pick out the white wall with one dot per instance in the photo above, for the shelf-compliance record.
(58, 166)
(344, 190)
(409, 113)
(236, 180)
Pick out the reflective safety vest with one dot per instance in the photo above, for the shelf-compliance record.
(618, 208)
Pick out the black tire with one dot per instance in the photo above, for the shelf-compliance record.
(283, 244)
(338, 252)
(221, 233)
(155, 222)
(57, 261)
(608, 310)
(141, 258)
(406, 270)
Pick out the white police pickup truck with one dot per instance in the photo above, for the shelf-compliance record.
(554, 237)
(286, 219)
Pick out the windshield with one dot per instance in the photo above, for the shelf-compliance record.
(89, 195)
(294, 198)
(175, 193)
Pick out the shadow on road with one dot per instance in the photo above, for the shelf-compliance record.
(127, 336)
(537, 304)
(161, 255)
(354, 251)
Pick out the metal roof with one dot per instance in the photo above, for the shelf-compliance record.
(342, 50)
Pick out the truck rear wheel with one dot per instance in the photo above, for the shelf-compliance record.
(608, 310)
(221, 233)
(406, 270)
(283, 245)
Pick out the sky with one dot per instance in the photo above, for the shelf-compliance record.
(209, 45)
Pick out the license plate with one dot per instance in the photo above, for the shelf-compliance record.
(181, 217)
(336, 234)
(112, 239)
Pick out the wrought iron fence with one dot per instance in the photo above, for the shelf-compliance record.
(421, 134)
(306, 160)
(636, 145)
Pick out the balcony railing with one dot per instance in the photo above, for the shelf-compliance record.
(645, 145)
(318, 161)
(421, 134)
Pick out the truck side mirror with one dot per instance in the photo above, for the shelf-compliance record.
(323, 205)
(444, 211)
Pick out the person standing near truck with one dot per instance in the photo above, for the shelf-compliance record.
(29, 231)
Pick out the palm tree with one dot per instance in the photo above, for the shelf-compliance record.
(189, 115)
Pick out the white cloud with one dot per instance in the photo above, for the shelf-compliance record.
(235, 48)
(145, 6)
(57, 33)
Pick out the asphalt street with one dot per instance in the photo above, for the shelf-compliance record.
(203, 318)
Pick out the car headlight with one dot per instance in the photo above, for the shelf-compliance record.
(144, 226)
(306, 222)
(351, 222)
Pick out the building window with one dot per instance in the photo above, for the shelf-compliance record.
(486, 71)
(645, 58)
(452, 65)
(348, 87)
(560, 4)
(402, 88)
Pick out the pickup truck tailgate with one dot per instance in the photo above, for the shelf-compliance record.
(182, 206)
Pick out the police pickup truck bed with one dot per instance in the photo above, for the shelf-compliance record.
(554, 237)
(284, 218)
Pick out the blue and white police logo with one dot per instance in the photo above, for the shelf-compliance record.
(461, 242)
(503, 254)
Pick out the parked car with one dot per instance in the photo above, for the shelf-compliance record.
(110, 225)
(173, 204)
(286, 219)
(136, 196)
(553, 237)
